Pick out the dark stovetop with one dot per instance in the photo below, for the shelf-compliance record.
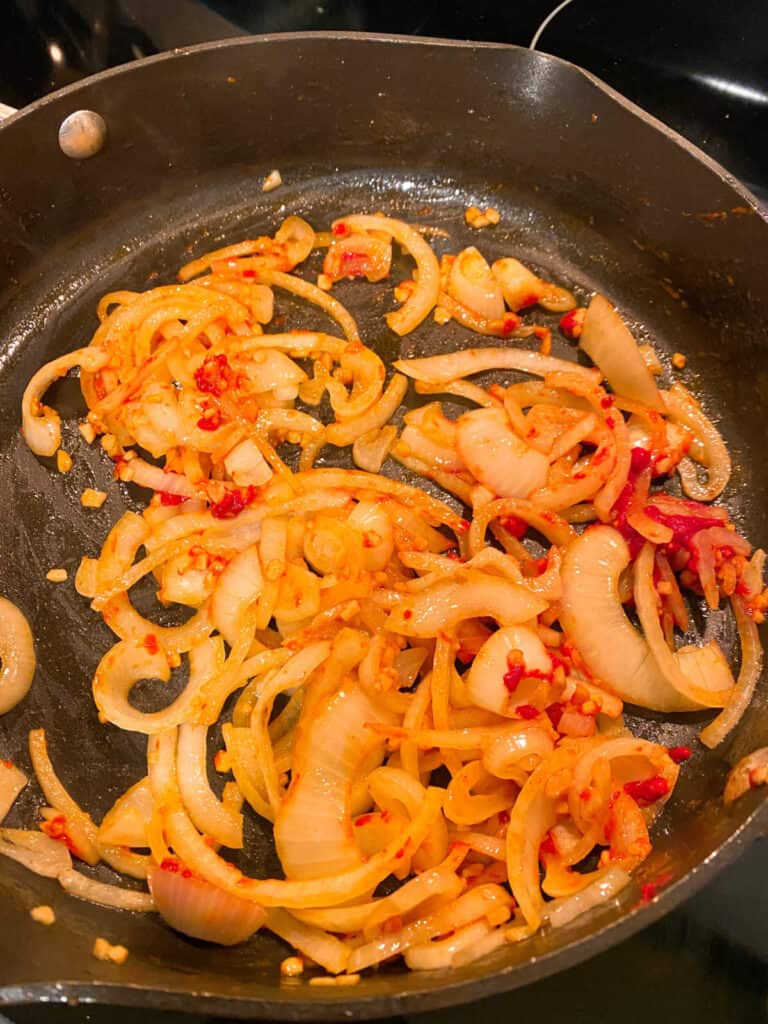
(701, 67)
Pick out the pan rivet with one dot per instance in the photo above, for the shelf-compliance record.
(82, 134)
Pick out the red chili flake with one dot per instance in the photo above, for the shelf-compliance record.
(606, 402)
(166, 498)
(527, 711)
(250, 272)
(454, 555)
(647, 791)
(579, 476)
(463, 525)
(555, 713)
(407, 614)
(640, 459)
(503, 817)
(233, 502)
(55, 828)
(400, 854)
(172, 864)
(186, 873)
(679, 754)
(572, 323)
(585, 794)
(151, 644)
(8, 764)
(528, 300)
(512, 678)
(514, 525)
(364, 819)
(649, 890)
(211, 420)
(548, 846)
(370, 539)
(385, 816)
(215, 375)
(509, 324)
(610, 422)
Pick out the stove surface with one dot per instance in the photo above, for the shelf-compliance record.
(704, 72)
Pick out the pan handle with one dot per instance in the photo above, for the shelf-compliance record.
(6, 111)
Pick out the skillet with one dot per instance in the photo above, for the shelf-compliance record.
(590, 189)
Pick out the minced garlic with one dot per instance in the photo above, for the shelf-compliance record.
(103, 950)
(342, 981)
(292, 966)
(43, 914)
(272, 180)
(63, 461)
(679, 360)
(92, 499)
(57, 575)
(476, 218)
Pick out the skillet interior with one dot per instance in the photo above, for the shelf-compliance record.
(589, 191)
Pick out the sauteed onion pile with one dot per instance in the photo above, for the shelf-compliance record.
(427, 708)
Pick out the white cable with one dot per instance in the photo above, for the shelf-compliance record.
(543, 25)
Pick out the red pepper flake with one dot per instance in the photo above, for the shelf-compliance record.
(528, 300)
(514, 525)
(215, 375)
(151, 644)
(166, 498)
(407, 614)
(526, 711)
(555, 713)
(572, 323)
(8, 764)
(233, 502)
(503, 817)
(364, 819)
(170, 864)
(679, 754)
(510, 323)
(649, 890)
(585, 794)
(606, 402)
(512, 678)
(463, 525)
(610, 422)
(211, 420)
(647, 791)
(340, 229)
(548, 846)
(249, 272)
(385, 816)
(400, 854)
(640, 459)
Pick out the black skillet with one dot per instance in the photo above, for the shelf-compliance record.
(590, 189)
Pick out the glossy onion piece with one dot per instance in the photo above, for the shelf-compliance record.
(472, 284)
(485, 682)
(444, 605)
(17, 656)
(456, 365)
(424, 296)
(201, 910)
(12, 781)
(239, 586)
(591, 612)
(36, 851)
(750, 772)
(126, 823)
(313, 828)
(609, 344)
(497, 457)
(40, 424)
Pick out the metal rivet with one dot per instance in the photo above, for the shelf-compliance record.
(82, 134)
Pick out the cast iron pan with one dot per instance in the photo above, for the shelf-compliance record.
(590, 189)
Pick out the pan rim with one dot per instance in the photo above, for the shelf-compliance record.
(325, 1004)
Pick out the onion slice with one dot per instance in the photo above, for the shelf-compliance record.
(104, 894)
(41, 425)
(608, 342)
(12, 781)
(212, 817)
(605, 887)
(749, 673)
(424, 296)
(456, 365)
(17, 656)
(36, 851)
(200, 910)
(750, 772)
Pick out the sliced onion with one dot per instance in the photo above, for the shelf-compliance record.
(198, 909)
(456, 365)
(17, 656)
(126, 823)
(750, 772)
(485, 682)
(12, 781)
(58, 797)
(36, 851)
(306, 290)
(497, 457)
(749, 673)
(370, 450)
(223, 824)
(608, 342)
(371, 518)
(376, 416)
(432, 956)
(424, 296)
(246, 465)
(444, 605)
(314, 835)
(609, 884)
(683, 408)
(104, 894)
(472, 284)
(591, 610)
(238, 587)
(666, 662)
(40, 424)
(324, 949)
